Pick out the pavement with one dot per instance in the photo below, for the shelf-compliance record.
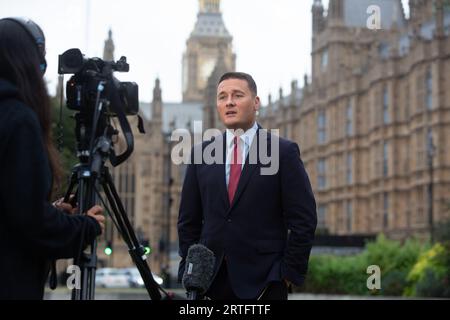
(141, 294)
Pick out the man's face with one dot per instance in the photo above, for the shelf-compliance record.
(236, 104)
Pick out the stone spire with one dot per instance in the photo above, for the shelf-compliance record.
(157, 101)
(336, 11)
(108, 51)
(318, 16)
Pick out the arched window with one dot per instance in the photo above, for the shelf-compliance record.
(386, 118)
(349, 119)
(322, 127)
(429, 89)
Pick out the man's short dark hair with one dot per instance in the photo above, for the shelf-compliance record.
(242, 76)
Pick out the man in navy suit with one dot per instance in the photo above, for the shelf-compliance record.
(260, 226)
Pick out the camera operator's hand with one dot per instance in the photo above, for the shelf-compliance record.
(96, 212)
(66, 206)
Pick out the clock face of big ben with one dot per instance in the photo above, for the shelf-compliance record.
(206, 68)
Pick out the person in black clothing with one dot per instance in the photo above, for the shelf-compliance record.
(32, 230)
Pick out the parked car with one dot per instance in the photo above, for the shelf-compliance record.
(111, 278)
(135, 279)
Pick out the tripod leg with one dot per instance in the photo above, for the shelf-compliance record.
(135, 249)
(73, 182)
(86, 261)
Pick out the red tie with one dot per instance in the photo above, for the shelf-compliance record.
(235, 171)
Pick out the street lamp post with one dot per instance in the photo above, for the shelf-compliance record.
(430, 153)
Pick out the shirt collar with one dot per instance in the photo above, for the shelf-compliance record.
(247, 136)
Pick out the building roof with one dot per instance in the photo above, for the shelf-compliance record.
(296, 96)
(210, 25)
(183, 113)
(355, 13)
(426, 32)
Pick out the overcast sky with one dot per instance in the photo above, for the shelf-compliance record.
(272, 38)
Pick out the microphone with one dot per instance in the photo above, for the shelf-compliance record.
(198, 270)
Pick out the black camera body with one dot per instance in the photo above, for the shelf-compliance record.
(97, 96)
(82, 87)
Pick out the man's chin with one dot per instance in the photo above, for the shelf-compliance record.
(232, 125)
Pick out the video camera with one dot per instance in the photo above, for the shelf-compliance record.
(98, 96)
(81, 89)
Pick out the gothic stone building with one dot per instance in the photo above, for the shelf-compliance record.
(373, 122)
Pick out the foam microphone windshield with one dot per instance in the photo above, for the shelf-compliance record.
(199, 270)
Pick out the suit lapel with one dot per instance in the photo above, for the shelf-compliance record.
(219, 173)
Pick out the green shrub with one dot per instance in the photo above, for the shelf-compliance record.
(393, 283)
(433, 285)
(348, 274)
(336, 275)
(390, 255)
(430, 275)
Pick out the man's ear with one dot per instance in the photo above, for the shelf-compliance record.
(257, 103)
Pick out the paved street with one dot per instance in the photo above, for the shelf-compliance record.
(140, 294)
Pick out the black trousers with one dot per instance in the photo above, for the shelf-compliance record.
(221, 288)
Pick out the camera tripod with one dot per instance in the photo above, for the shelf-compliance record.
(89, 176)
(98, 96)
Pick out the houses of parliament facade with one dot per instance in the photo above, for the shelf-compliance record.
(372, 122)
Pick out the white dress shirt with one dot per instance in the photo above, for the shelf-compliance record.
(247, 139)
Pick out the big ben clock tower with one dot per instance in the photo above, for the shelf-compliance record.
(208, 40)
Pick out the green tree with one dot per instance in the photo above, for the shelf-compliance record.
(65, 141)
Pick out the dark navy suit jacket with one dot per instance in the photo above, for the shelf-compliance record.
(267, 232)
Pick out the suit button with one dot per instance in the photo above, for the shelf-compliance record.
(229, 220)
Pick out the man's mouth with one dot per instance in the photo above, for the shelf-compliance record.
(230, 113)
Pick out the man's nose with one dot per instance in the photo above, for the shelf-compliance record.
(230, 102)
